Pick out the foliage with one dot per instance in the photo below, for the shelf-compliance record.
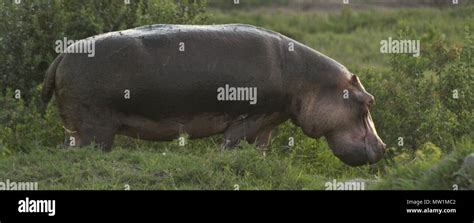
(416, 101)
(23, 128)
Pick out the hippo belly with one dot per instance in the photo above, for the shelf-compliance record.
(198, 127)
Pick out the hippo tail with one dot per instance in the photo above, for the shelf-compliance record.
(49, 82)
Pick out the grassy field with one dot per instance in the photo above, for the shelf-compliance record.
(205, 167)
(350, 37)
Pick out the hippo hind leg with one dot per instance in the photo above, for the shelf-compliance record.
(102, 136)
(101, 133)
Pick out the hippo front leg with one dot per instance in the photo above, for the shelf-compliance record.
(242, 129)
(263, 139)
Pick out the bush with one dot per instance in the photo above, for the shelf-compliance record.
(415, 100)
(22, 127)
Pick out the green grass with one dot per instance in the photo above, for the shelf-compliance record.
(174, 167)
(89, 168)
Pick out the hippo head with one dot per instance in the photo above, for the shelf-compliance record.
(339, 110)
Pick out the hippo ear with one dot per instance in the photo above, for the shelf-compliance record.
(354, 79)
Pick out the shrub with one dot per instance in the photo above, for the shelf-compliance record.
(23, 128)
(415, 100)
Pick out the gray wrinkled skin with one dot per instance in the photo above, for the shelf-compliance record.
(174, 92)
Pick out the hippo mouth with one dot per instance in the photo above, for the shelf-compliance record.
(368, 149)
(371, 141)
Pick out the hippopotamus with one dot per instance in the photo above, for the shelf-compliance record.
(157, 82)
